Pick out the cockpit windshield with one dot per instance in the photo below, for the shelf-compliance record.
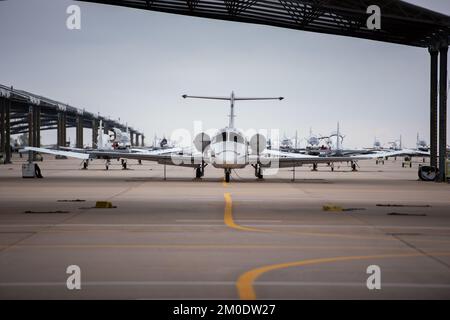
(229, 136)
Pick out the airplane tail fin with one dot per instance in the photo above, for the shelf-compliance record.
(100, 136)
(231, 98)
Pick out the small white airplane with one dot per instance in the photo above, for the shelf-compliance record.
(229, 149)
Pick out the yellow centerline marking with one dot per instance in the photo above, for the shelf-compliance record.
(245, 282)
(229, 221)
(228, 216)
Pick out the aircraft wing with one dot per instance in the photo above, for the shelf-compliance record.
(289, 159)
(162, 158)
(157, 151)
(403, 152)
(73, 149)
(70, 154)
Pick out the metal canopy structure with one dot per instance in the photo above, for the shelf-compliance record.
(25, 112)
(402, 23)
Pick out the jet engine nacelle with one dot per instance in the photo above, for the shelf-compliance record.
(258, 143)
(202, 141)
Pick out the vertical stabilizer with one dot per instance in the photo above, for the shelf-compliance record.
(100, 135)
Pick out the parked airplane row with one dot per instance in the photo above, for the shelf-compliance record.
(228, 149)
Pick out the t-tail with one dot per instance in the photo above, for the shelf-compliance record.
(232, 98)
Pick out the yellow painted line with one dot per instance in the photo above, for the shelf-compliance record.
(229, 221)
(228, 216)
(245, 282)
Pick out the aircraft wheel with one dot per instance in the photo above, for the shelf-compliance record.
(198, 173)
(85, 165)
(260, 175)
(428, 173)
(124, 165)
(227, 176)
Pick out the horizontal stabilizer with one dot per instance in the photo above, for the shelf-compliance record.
(232, 98)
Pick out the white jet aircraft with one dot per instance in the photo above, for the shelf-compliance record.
(228, 149)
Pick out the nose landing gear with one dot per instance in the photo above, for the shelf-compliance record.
(258, 171)
(227, 175)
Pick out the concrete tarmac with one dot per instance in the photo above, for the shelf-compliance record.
(184, 238)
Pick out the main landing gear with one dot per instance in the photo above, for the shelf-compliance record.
(107, 163)
(200, 171)
(85, 164)
(314, 167)
(354, 166)
(124, 164)
(258, 171)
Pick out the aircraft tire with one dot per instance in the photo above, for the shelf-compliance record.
(428, 173)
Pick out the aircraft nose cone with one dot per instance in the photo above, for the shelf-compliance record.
(229, 157)
(233, 158)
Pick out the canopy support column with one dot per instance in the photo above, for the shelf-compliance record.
(433, 105)
(442, 111)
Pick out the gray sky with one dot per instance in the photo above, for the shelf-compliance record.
(135, 64)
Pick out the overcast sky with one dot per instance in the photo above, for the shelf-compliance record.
(135, 65)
